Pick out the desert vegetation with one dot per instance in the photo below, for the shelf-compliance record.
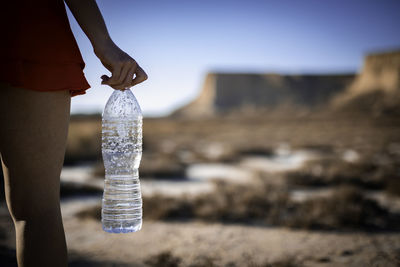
(349, 185)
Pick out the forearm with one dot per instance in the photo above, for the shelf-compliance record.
(88, 15)
(125, 70)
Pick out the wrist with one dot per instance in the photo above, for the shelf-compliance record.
(103, 43)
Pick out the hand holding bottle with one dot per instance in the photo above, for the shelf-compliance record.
(124, 69)
(121, 65)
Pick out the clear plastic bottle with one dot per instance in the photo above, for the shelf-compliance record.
(122, 151)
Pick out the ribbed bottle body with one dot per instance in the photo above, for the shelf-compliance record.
(122, 152)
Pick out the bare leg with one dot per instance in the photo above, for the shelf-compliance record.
(33, 133)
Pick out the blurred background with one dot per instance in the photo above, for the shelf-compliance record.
(271, 136)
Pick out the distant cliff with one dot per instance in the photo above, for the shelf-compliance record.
(381, 71)
(225, 92)
(377, 87)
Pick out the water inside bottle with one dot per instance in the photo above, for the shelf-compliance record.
(122, 152)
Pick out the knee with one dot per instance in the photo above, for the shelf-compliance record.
(32, 192)
(27, 203)
(33, 210)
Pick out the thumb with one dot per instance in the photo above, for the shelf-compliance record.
(105, 79)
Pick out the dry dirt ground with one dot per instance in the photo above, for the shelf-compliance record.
(233, 245)
(179, 143)
(204, 244)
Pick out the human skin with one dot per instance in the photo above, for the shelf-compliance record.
(33, 134)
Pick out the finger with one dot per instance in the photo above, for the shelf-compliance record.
(141, 76)
(115, 75)
(124, 71)
(105, 79)
(131, 66)
(129, 77)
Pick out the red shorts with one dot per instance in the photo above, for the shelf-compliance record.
(39, 51)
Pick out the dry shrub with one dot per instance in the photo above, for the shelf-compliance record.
(167, 259)
(324, 172)
(346, 209)
(161, 165)
(159, 207)
(164, 259)
(253, 203)
(263, 204)
(228, 203)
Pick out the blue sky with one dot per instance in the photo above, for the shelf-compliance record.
(178, 42)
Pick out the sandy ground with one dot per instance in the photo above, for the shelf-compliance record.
(221, 244)
(226, 244)
(233, 245)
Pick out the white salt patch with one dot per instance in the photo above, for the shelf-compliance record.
(278, 163)
(212, 171)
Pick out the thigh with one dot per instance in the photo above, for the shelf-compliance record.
(33, 133)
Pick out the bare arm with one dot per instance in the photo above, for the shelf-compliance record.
(120, 64)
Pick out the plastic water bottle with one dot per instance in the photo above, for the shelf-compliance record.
(122, 151)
